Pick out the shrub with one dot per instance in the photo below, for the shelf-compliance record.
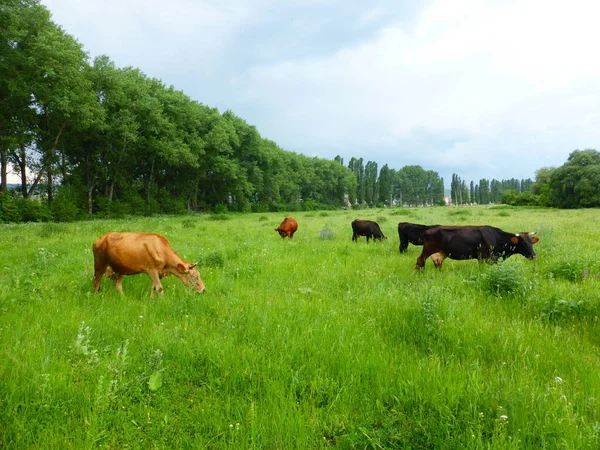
(403, 212)
(64, 207)
(219, 217)
(213, 259)
(33, 210)
(8, 208)
(326, 233)
(220, 209)
(559, 309)
(259, 207)
(189, 223)
(570, 269)
(503, 279)
(309, 205)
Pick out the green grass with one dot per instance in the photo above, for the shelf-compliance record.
(317, 342)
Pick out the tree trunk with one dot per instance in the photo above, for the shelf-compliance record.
(91, 197)
(21, 161)
(149, 181)
(3, 169)
(49, 185)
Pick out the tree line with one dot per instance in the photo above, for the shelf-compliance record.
(486, 191)
(86, 137)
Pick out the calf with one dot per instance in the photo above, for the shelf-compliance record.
(127, 253)
(366, 228)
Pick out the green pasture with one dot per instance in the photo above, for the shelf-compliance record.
(315, 342)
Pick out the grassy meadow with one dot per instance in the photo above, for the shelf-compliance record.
(317, 342)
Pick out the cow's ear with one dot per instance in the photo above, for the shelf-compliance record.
(514, 240)
(536, 240)
(181, 268)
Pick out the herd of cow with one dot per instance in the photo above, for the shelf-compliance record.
(484, 243)
(117, 254)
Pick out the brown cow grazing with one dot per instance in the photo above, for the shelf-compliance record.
(128, 253)
(287, 228)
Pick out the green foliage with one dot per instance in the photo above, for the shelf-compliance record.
(9, 212)
(65, 206)
(576, 184)
(505, 278)
(33, 210)
(410, 212)
(219, 217)
(189, 222)
(570, 268)
(213, 259)
(155, 382)
(561, 310)
(220, 209)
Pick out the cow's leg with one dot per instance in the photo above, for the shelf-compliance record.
(118, 280)
(354, 237)
(403, 245)
(426, 253)
(99, 269)
(156, 285)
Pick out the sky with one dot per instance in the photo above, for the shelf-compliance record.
(483, 89)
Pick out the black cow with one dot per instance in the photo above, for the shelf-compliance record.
(411, 232)
(366, 228)
(470, 242)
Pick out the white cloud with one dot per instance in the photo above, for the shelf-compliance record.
(481, 67)
(463, 86)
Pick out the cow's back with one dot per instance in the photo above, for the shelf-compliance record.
(130, 252)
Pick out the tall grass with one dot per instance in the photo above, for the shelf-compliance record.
(314, 342)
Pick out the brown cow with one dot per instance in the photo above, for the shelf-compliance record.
(128, 253)
(287, 228)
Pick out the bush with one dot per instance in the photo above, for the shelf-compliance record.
(326, 233)
(33, 210)
(64, 207)
(503, 279)
(189, 223)
(259, 207)
(220, 209)
(8, 208)
(214, 259)
(219, 217)
(570, 269)
(309, 205)
(559, 309)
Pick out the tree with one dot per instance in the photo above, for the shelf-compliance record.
(577, 182)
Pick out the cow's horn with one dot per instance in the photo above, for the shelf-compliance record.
(532, 233)
(193, 265)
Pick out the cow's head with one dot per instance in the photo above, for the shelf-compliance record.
(191, 276)
(523, 244)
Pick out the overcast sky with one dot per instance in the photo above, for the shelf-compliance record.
(484, 89)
